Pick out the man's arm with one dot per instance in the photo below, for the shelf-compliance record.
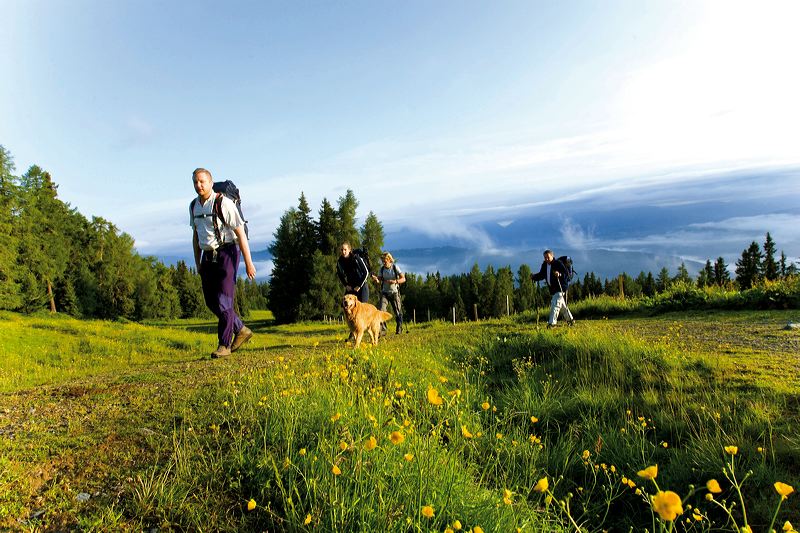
(539, 276)
(363, 271)
(245, 247)
(196, 248)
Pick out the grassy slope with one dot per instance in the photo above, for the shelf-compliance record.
(96, 407)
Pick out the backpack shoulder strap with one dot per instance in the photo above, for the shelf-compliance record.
(396, 273)
(217, 216)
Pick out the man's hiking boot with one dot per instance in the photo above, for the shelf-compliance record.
(571, 322)
(221, 351)
(240, 338)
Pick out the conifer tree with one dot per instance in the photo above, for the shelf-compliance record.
(504, 288)
(284, 301)
(347, 220)
(663, 281)
(324, 293)
(721, 274)
(769, 265)
(9, 286)
(748, 268)
(328, 229)
(372, 240)
(525, 294)
(486, 297)
(683, 274)
(705, 277)
(782, 265)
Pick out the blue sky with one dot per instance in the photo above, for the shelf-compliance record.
(441, 116)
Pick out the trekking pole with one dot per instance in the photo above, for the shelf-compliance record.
(537, 305)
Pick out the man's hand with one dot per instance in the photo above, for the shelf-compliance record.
(251, 269)
(558, 274)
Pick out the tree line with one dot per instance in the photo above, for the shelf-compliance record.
(54, 258)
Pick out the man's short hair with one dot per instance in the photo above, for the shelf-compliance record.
(201, 170)
(548, 252)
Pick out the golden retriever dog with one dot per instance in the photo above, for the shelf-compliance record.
(363, 317)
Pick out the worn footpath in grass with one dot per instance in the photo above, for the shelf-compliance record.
(447, 425)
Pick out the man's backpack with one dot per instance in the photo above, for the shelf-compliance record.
(223, 188)
(567, 262)
(363, 254)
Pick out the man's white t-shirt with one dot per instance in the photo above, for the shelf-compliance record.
(230, 220)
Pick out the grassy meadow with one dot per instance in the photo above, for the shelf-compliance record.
(492, 426)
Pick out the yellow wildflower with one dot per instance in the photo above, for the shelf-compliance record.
(624, 480)
(455, 392)
(783, 489)
(302, 451)
(336, 470)
(465, 432)
(534, 420)
(342, 445)
(307, 520)
(449, 530)
(485, 406)
(433, 397)
(648, 473)
(442, 379)
(408, 457)
(667, 505)
(427, 511)
(499, 436)
(787, 526)
(732, 450)
(585, 455)
(400, 393)
(713, 486)
(709, 497)
(477, 529)
(397, 437)
(371, 443)
(507, 496)
(251, 504)
(697, 516)
(631, 484)
(542, 485)
(457, 525)
(336, 417)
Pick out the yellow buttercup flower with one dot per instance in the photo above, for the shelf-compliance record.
(307, 520)
(302, 451)
(477, 529)
(783, 489)
(336, 417)
(648, 473)
(585, 455)
(507, 496)
(485, 406)
(787, 526)
(251, 504)
(731, 450)
(442, 379)
(534, 420)
(433, 397)
(465, 432)
(667, 505)
(336, 470)
(427, 511)
(342, 445)
(397, 437)
(400, 394)
(457, 525)
(542, 485)
(371, 443)
(713, 486)
(408, 457)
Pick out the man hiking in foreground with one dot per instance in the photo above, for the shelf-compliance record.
(217, 228)
(557, 278)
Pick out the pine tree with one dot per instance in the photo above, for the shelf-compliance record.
(683, 275)
(748, 268)
(663, 281)
(324, 293)
(705, 277)
(486, 297)
(782, 267)
(504, 288)
(769, 266)
(284, 299)
(721, 274)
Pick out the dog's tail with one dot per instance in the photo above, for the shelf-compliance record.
(384, 315)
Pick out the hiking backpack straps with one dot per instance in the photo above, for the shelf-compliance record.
(567, 262)
(216, 214)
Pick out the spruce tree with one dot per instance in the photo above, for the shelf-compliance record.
(769, 265)
(9, 286)
(347, 220)
(683, 274)
(705, 277)
(328, 229)
(663, 281)
(284, 301)
(721, 274)
(748, 268)
(782, 267)
(504, 288)
(525, 295)
(372, 240)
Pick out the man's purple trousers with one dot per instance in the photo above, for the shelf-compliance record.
(219, 288)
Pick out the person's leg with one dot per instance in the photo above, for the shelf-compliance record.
(229, 323)
(382, 305)
(555, 308)
(398, 312)
(363, 294)
(566, 312)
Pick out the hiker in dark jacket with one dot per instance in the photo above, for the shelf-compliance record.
(353, 273)
(556, 276)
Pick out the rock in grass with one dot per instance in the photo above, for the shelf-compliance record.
(84, 497)
(792, 325)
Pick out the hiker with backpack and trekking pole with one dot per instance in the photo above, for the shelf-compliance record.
(219, 231)
(557, 274)
(390, 278)
(353, 270)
